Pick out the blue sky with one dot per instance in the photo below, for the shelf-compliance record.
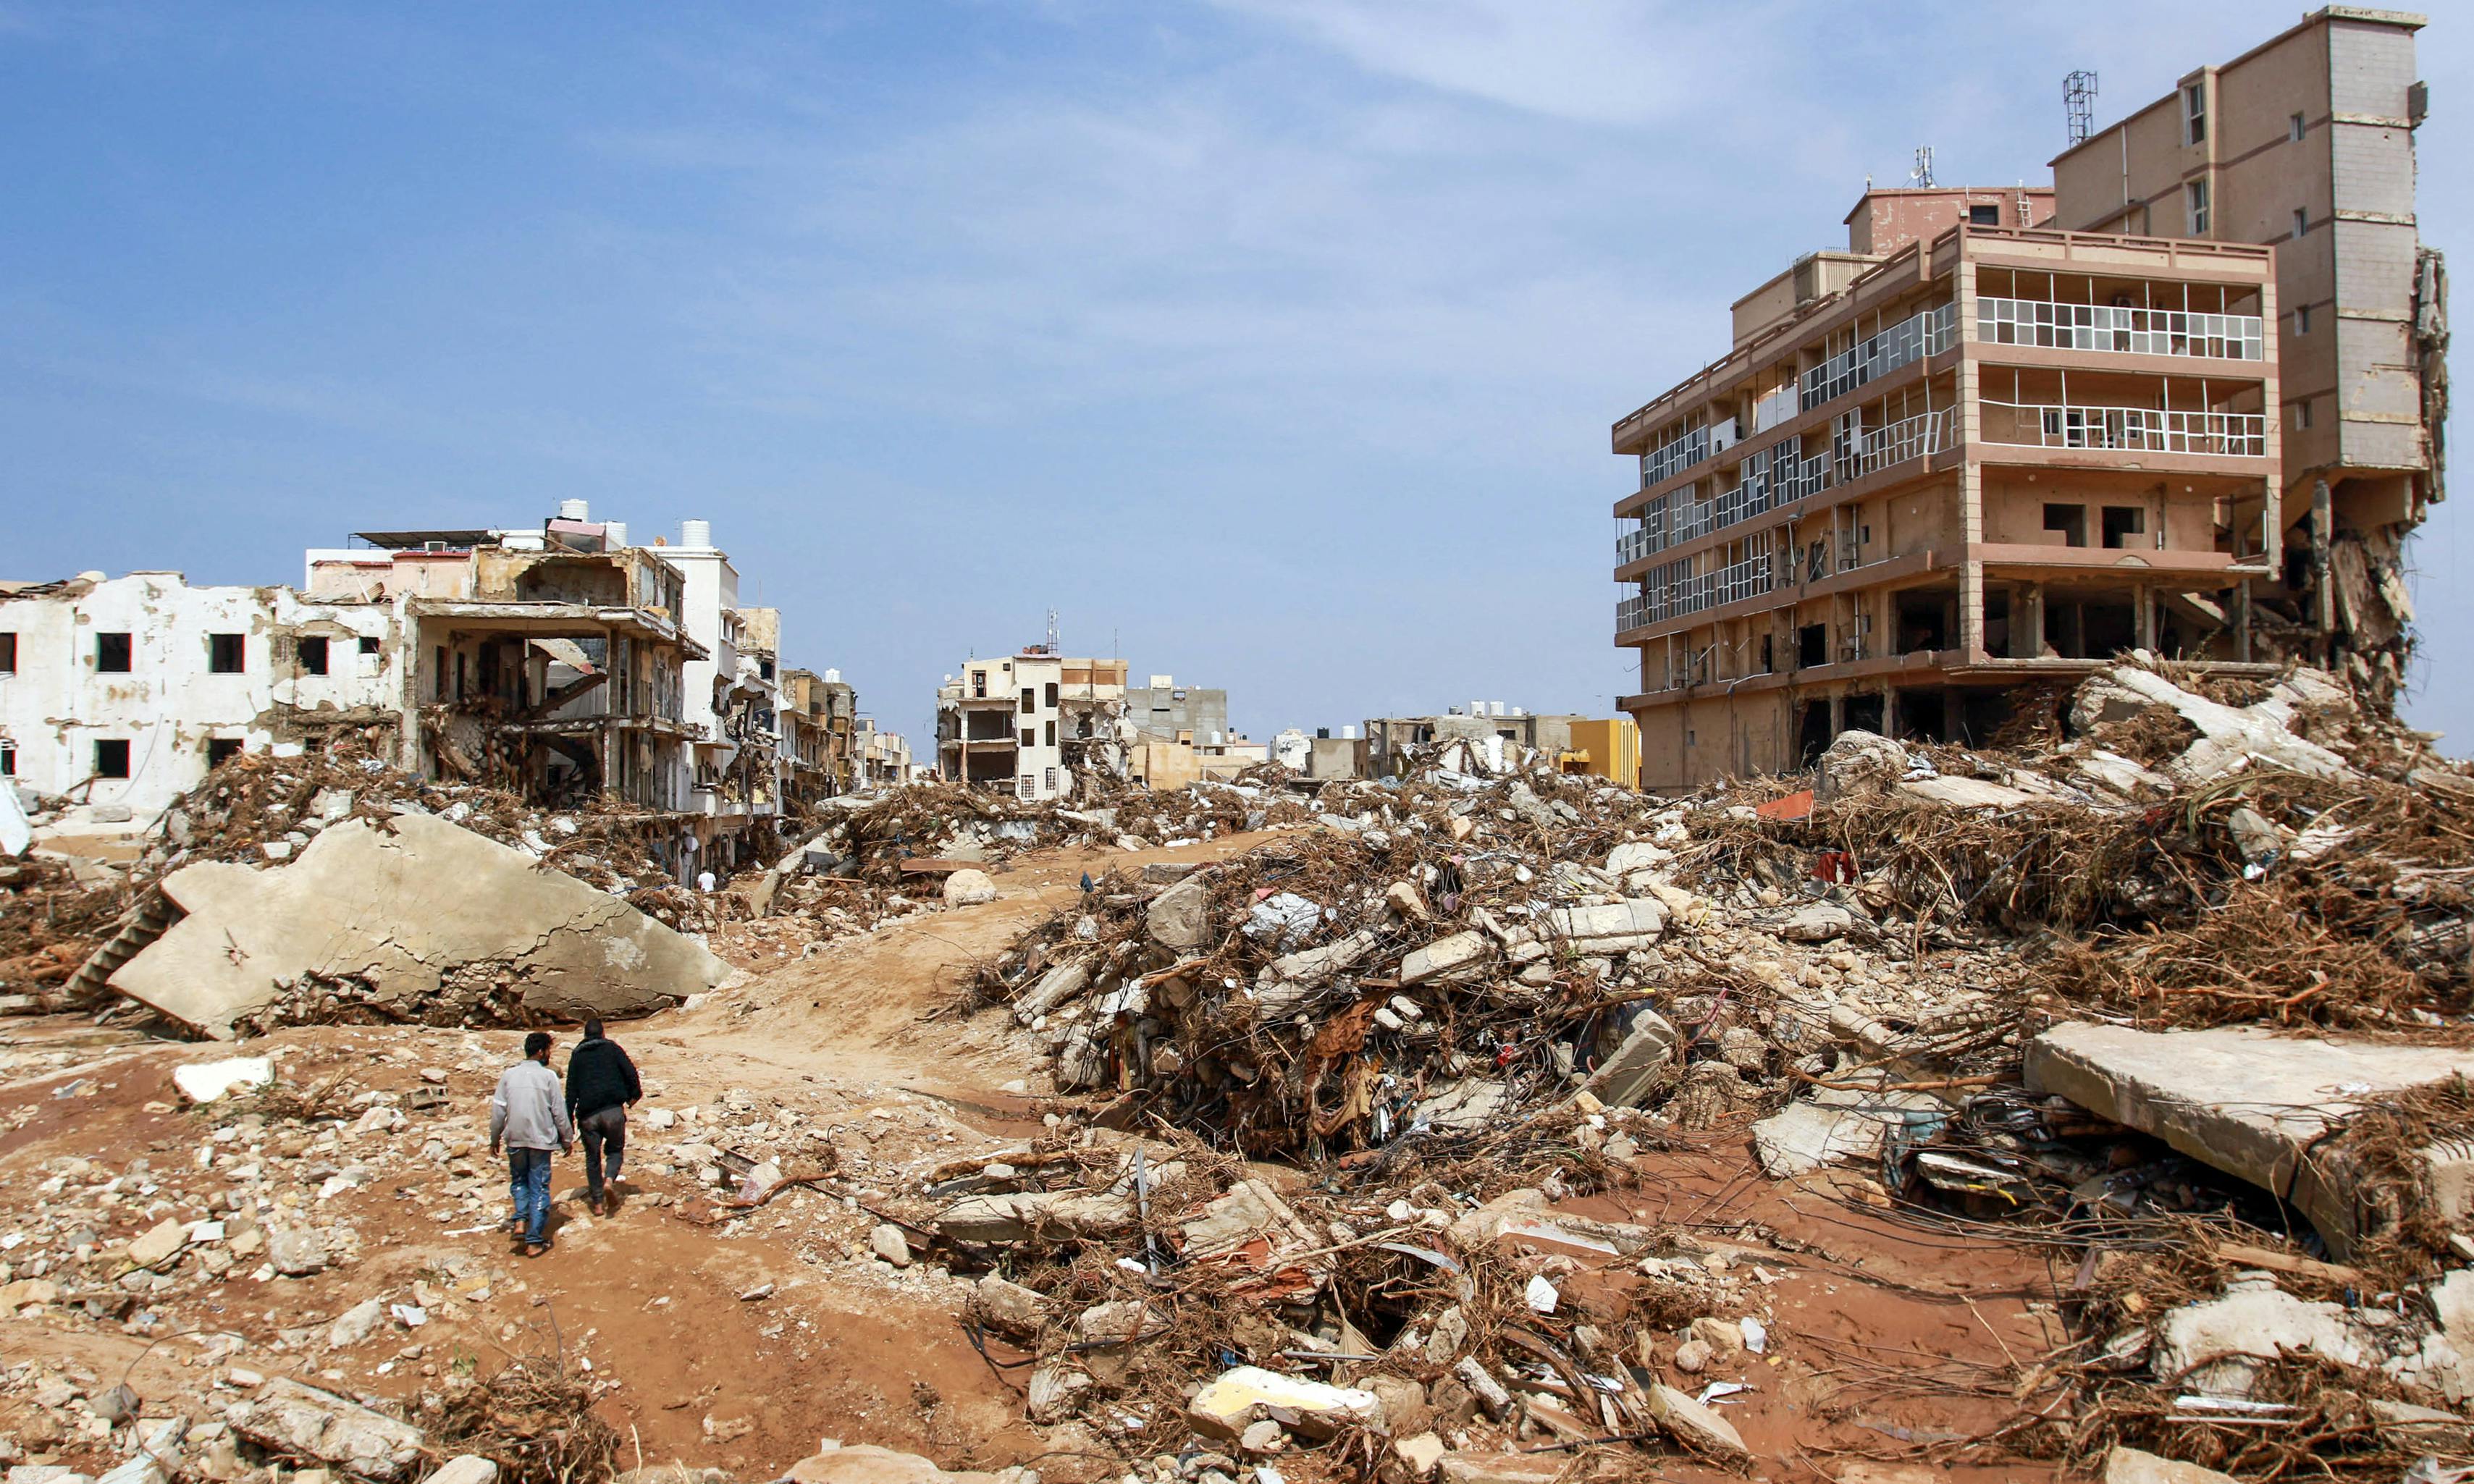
(1274, 343)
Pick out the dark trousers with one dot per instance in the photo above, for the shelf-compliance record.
(606, 1127)
(529, 1185)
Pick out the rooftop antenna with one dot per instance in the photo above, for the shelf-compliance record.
(2078, 101)
(1921, 175)
(1051, 631)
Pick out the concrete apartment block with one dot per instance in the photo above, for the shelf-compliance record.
(1994, 454)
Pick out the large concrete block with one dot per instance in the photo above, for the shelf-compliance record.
(2248, 1102)
(416, 914)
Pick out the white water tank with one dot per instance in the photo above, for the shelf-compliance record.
(574, 510)
(695, 535)
(614, 535)
(1348, 733)
(835, 677)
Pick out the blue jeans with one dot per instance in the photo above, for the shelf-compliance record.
(529, 1183)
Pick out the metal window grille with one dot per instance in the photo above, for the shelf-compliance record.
(1927, 332)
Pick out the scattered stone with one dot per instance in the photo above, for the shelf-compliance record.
(969, 888)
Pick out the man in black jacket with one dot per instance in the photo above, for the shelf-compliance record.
(601, 1085)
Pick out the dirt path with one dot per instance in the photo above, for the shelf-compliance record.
(857, 1011)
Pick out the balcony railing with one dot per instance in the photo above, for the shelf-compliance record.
(2135, 429)
(2121, 328)
(1630, 611)
(1927, 332)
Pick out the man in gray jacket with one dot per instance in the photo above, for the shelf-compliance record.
(528, 1114)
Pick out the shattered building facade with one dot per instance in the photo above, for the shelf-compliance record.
(1390, 741)
(550, 666)
(2306, 144)
(1024, 723)
(1977, 451)
(817, 716)
(121, 694)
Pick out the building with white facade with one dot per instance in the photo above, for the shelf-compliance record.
(1022, 723)
(122, 693)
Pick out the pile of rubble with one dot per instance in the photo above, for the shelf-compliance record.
(328, 886)
(871, 836)
(1457, 977)
(1448, 947)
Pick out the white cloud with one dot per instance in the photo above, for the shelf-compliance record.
(1597, 61)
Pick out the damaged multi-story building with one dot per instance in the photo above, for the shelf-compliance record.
(550, 664)
(118, 695)
(2306, 144)
(819, 715)
(1026, 724)
(569, 664)
(1974, 455)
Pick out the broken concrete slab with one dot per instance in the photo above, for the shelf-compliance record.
(1014, 1217)
(2130, 1466)
(865, 1463)
(2218, 1345)
(1239, 1397)
(2249, 1103)
(1055, 987)
(1458, 954)
(2229, 736)
(1966, 793)
(1838, 1125)
(1466, 1103)
(1696, 1426)
(303, 1423)
(431, 921)
(1179, 918)
(1638, 1063)
(1612, 927)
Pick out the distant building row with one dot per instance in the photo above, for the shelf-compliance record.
(1028, 723)
(562, 662)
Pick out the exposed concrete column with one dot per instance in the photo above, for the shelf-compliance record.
(2322, 516)
(1889, 708)
(2239, 601)
(1838, 711)
(2027, 621)
(2144, 600)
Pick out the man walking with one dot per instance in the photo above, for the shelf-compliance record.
(528, 1115)
(601, 1085)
